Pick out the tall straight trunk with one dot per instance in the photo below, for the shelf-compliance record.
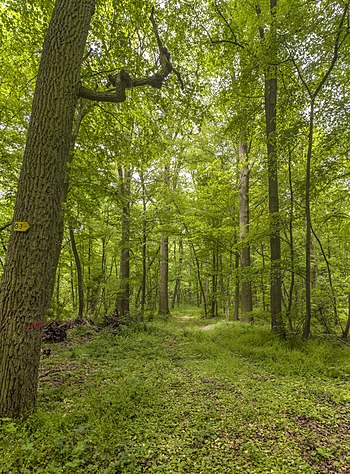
(123, 300)
(214, 281)
(246, 286)
(144, 247)
(203, 291)
(72, 283)
(104, 277)
(163, 301)
(163, 308)
(177, 288)
(307, 323)
(291, 246)
(32, 256)
(272, 165)
(79, 275)
(236, 269)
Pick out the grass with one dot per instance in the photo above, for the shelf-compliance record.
(186, 396)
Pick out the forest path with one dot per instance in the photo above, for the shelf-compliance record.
(185, 396)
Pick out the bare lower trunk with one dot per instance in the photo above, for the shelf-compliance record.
(123, 301)
(144, 247)
(163, 308)
(246, 287)
(307, 323)
(275, 240)
(291, 245)
(347, 327)
(177, 288)
(79, 275)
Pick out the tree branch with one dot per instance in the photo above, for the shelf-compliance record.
(234, 36)
(123, 80)
(338, 43)
(5, 226)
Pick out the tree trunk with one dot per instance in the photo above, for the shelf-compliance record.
(264, 305)
(203, 292)
(163, 308)
(291, 246)
(32, 257)
(123, 300)
(272, 163)
(347, 327)
(177, 288)
(214, 281)
(307, 323)
(79, 275)
(246, 287)
(144, 247)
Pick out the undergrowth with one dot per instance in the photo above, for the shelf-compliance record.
(185, 395)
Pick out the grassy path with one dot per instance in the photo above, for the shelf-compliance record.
(186, 396)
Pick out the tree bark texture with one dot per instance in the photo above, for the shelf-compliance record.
(246, 287)
(32, 256)
(272, 164)
(275, 241)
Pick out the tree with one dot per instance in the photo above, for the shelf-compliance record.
(246, 287)
(32, 257)
(313, 91)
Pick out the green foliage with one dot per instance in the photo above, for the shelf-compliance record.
(185, 395)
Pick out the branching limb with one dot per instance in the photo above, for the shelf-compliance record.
(123, 80)
(228, 25)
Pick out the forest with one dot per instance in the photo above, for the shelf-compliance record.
(174, 251)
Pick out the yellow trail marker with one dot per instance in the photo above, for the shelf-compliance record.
(21, 226)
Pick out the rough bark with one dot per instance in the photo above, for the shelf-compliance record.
(246, 287)
(272, 166)
(32, 256)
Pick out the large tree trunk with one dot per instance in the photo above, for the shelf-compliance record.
(32, 257)
(272, 163)
(246, 286)
(123, 301)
